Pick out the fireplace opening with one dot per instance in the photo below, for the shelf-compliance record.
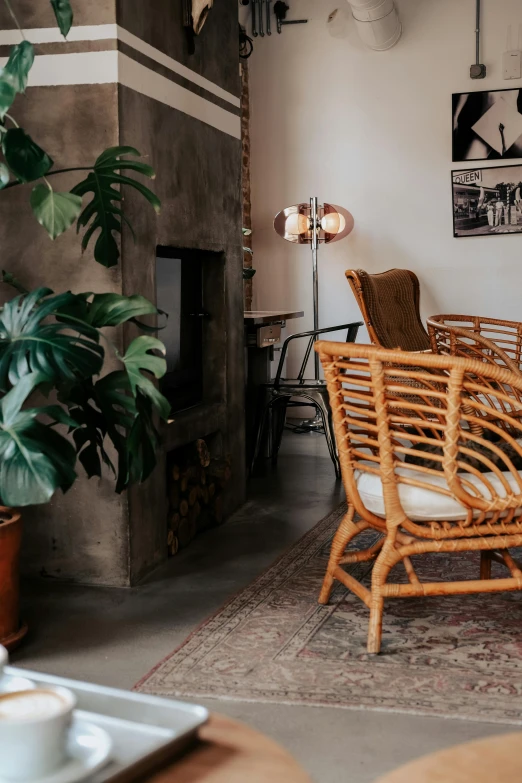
(180, 294)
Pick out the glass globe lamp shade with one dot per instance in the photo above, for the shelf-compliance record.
(293, 224)
(336, 223)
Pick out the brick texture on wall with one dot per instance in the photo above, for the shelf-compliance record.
(245, 177)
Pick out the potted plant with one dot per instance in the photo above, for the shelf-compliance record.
(57, 409)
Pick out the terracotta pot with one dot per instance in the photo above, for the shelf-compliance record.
(11, 631)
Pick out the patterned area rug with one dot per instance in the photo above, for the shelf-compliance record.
(458, 656)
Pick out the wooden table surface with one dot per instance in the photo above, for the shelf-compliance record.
(230, 752)
(270, 316)
(496, 759)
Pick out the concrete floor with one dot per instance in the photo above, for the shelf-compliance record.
(113, 636)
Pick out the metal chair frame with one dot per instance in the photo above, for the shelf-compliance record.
(281, 390)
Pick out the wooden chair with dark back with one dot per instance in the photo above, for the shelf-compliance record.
(389, 303)
(419, 472)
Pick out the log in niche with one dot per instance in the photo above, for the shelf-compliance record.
(195, 482)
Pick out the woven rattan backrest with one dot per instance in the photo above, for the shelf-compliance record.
(379, 424)
(389, 303)
(492, 341)
(488, 339)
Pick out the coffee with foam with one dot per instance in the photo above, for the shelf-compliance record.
(31, 705)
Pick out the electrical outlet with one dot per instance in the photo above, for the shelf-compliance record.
(478, 71)
(512, 64)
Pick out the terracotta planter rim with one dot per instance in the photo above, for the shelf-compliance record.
(14, 516)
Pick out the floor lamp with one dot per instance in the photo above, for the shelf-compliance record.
(311, 224)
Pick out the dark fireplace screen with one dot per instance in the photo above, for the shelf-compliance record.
(179, 292)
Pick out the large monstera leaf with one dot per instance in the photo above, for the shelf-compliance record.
(35, 460)
(109, 409)
(103, 213)
(29, 343)
(101, 310)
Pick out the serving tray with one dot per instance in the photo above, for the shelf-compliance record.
(147, 731)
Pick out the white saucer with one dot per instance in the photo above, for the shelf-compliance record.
(88, 750)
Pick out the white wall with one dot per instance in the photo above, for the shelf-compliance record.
(371, 131)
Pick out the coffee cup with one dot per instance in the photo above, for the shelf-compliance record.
(34, 725)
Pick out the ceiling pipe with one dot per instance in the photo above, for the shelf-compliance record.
(377, 22)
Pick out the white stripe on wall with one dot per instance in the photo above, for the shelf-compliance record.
(112, 67)
(51, 70)
(152, 84)
(40, 35)
(104, 32)
(136, 43)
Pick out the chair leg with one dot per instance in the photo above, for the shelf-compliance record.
(279, 408)
(333, 452)
(375, 628)
(380, 573)
(329, 434)
(259, 434)
(345, 532)
(485, 564)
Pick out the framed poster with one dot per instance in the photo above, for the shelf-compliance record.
(487, 125)
(487, 201)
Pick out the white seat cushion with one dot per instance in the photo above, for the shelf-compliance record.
(424, 505)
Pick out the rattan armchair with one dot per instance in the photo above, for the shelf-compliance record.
(462, 492)
(389, 303)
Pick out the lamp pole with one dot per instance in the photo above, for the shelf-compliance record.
(315, 245)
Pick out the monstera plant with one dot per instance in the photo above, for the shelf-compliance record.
(54, 343)
(24, 161)
(58, 412)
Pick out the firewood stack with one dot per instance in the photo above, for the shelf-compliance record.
(195, 484)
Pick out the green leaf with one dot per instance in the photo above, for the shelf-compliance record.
(4, 175)
(102, 214)
(138, 359)
(56, 212)
(30, 343)
(142, 442)
(11, 403)
(7, 92)
(26, 159)
(91, 428)
(108, 409)
(64, 15)
(114, 309)
(19, 64)
(34, 459)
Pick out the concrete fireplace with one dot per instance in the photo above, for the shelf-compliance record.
(126, 77)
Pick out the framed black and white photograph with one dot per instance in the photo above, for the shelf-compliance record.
(487, 201)
(487, 125)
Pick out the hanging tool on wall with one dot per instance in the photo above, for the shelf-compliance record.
(261, 7)
(478, 69)
(246, 45)
(255, 4)
(268, 30)
(280, 11)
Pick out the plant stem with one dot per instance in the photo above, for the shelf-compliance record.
(13, 15)
(64, 171)
(49, 173)
(10, 117)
